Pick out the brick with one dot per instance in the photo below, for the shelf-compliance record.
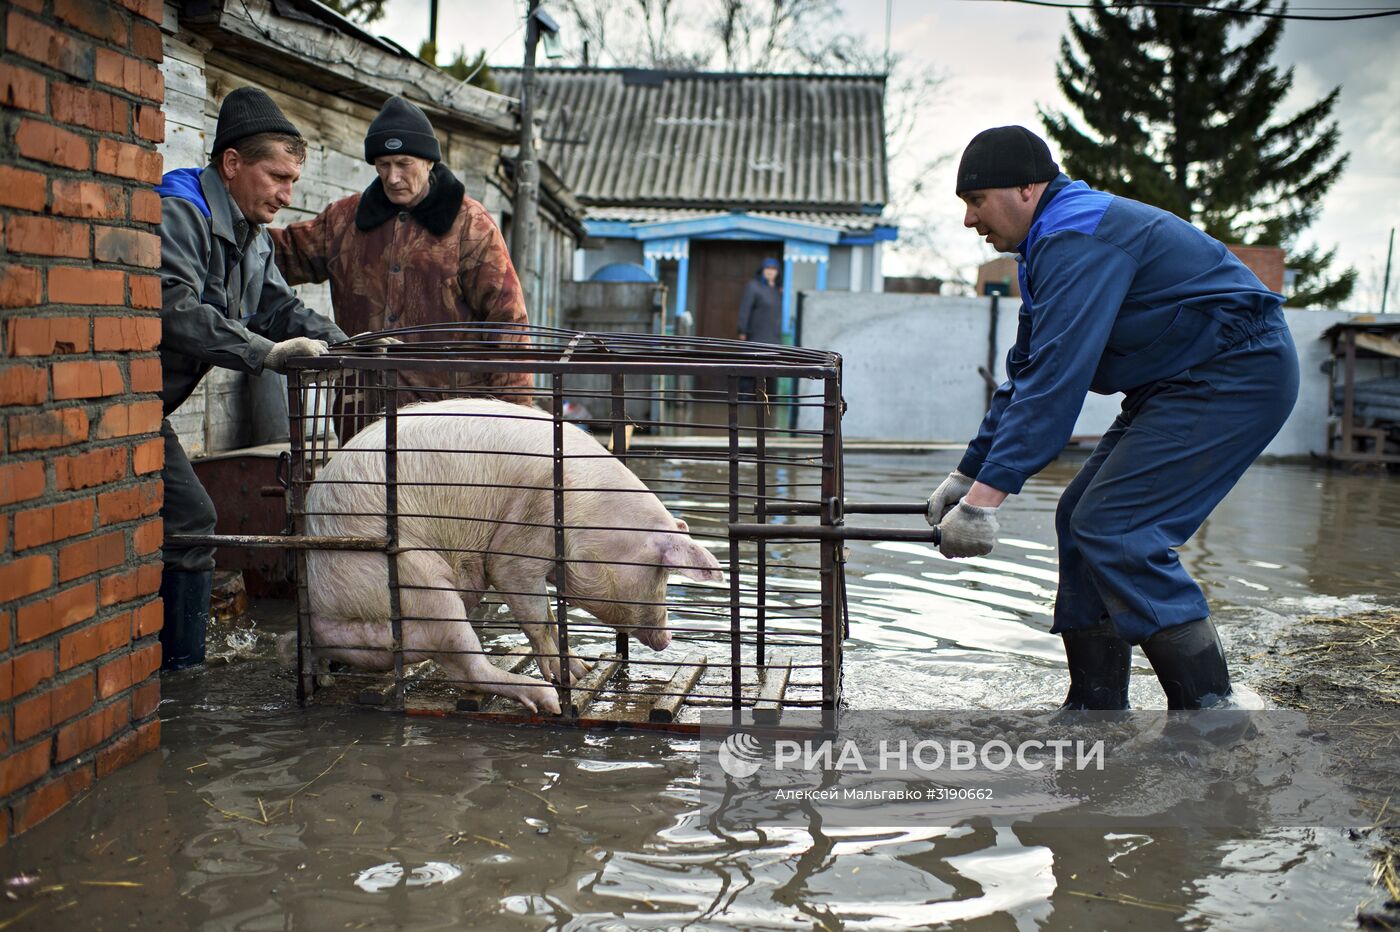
(91, 556)
(145, 206)
(55, 613)
(93, 641)
(146, 697)
(150, 123)
(51, 797)
(118, 588)
(125, 333)
(148, 578)
(23, 89)
(48, 429)
(96, 110)
(33, 6)
(145, 290)
(32, 668)
(4, 644)
(145, 661)
(150, 9)
(127, 504)
(95, 19)
(90, 199)
(146, 41)
(129, 74)
(47, 336)
(144, 373)
(27, 36)
(26, 385)
(39, 526)
(53, 707)
(147, 619)
(23, 767)
(69, 285)
(88, 379)
(19, 578)
(148, 457)
(19, 482)
(128, 247)
(44, 236)
(7, 683)
(128, 161)
(124, 420)
(45, 142)
(20, 286)
(114, 677)
(88, 469)
(22, 189)
(147, 538)
(91, 730)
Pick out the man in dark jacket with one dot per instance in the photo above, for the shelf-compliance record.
(761, 320)
(223, 303)
(1118, 296)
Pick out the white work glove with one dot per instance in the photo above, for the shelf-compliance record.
(968, 531)
(948, 494)
(297, 346)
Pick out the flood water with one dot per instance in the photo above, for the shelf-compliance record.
(257, 814)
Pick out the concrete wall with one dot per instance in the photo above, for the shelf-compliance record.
(910, 367)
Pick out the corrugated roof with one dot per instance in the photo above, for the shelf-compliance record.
(658, 138)
(848, 222)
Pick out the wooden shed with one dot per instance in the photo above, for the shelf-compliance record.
(330, 77)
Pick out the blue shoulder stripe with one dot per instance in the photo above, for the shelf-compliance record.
(1076, 208)
(184, 184)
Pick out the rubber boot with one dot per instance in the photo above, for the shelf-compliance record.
(186, 598)
(1190, 665)
(1100, 663)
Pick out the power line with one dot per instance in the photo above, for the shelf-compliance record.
(1175, 4)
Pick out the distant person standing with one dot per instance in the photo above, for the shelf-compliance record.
(761, 319)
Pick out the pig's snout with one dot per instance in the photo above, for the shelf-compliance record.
(657, 638)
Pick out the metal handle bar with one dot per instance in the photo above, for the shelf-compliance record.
(833, 532)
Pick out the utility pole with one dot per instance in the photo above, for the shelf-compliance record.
(527, 173)
(1385, 283)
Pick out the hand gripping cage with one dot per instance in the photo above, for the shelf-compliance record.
(738, 439)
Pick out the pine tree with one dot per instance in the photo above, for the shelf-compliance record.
(1179, 109)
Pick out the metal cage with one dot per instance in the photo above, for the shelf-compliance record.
(739, 440)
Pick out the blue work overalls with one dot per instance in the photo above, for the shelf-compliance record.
(1118, 296)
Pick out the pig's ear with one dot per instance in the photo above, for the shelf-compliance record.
(682, 526)
(688, 558)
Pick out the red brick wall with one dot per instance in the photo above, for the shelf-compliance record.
(1264, 261)
(80, 490)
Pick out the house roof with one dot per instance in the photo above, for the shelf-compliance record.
(779, 142)
(845, 222)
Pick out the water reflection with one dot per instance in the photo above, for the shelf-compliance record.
(257, 814)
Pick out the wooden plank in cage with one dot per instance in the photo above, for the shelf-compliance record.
(512, 661)
(382, 693)
(772, 684)
(582, 693)
(667, 708)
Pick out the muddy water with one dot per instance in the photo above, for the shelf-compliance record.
(259, 815)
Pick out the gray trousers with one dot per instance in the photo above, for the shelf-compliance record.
(188, 509)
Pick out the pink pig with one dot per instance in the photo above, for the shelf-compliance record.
(476, 506)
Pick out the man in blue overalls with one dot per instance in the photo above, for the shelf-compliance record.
(1118, 296)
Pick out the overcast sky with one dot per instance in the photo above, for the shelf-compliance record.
(999, 61)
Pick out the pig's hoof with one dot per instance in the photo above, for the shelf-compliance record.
(538, 699)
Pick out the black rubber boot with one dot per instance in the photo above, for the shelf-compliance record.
(1190, 664)
(186, 598)
(1100, 663)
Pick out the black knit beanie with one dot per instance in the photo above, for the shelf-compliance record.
(1005, 157)
(248, 112)
(401, 129)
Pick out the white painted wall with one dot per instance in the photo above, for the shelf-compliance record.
(910, 367)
